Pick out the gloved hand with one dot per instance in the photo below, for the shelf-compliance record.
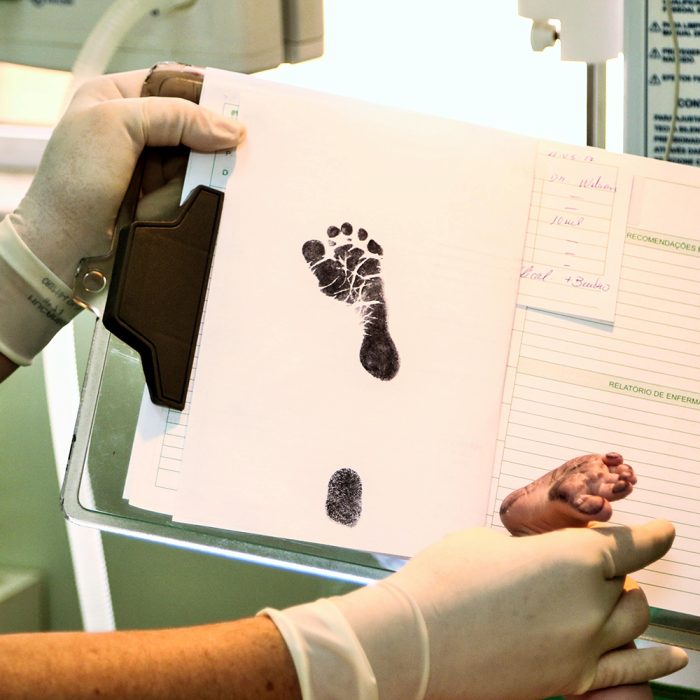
(578, 492)
(70, 208)
(484, 616)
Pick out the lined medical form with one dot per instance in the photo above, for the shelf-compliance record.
(575, 387)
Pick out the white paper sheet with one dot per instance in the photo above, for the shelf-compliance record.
(576, 387)
(156, 457)
(157, 454)
(281, 399)
(575, 234)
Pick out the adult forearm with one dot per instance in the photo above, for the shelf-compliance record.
(243, 659)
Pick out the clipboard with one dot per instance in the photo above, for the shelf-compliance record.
(117, 371)
(149, 290)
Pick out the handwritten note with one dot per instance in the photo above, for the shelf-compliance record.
(575, 233)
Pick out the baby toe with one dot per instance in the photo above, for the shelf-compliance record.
(612, 459)
(592, 505)
(313, 251)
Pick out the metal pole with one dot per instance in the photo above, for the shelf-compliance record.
(595, 104)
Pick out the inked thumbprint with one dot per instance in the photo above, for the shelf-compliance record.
(348, 268)
(344, 500)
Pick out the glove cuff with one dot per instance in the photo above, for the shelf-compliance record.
(415, 622)
(35, 303)
(392, 631)
(329, 660)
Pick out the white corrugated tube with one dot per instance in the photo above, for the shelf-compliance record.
(109, 32)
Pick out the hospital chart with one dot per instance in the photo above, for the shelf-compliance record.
(539, 299)
(576, 386)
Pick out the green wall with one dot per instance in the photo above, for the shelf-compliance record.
(152, 585)
(32, 533)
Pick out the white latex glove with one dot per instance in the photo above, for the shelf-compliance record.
(487, 617)
(70, 208)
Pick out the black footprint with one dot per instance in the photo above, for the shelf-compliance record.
(347, 269)
(344, 500)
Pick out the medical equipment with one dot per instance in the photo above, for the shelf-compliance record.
(590, 32)
(662, 101)
(241, 35)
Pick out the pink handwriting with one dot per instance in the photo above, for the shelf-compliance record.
(580, 282)
(531, 273)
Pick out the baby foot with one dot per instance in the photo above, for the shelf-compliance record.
(347, 268)
(570, 496)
